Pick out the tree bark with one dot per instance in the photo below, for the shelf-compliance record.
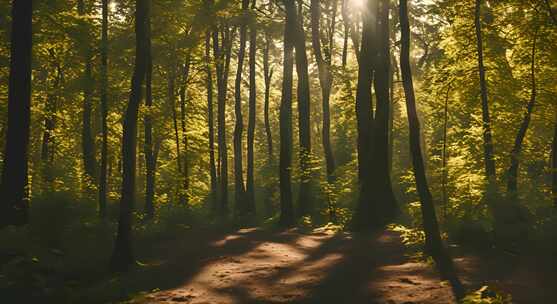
(305, 200)
(364, 116)
(13, 189)
(122, 257)
(222, 53)
(87, 138)
(183, 89)
(103, 179)
(285, 162)
(487, 139)
(239, 189)
(250, 180)
(512, 174)
(434, 245)
(212, 168)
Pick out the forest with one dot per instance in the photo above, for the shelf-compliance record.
(278, 151)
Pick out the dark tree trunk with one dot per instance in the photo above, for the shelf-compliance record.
(346, 24)
(488, 142)
(444, 155)
(212, 168)
(512, 174)
(305, 200)
(222, 52)
(326, 82)
(13, 189)
(171, 94)
(122, 256)
(148, 145)
(364, 117)
(285, 178)
(385, 202)
(87, 138)
(103, 180)
(183, 89)
(434, 245)
(239, 189)
(250, 181)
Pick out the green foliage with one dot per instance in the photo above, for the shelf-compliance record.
(487, 295)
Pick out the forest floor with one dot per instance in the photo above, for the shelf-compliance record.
(255, 265)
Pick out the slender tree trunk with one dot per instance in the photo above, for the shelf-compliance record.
(488, 142)
(434, 245)
(185, 170)
(122, 256)
(222, 57)
(13, 189)
(212, 168)
(239, 190)
(364, 117)
(305, 200)
(325, 81)
(250, 180)
(171, 94)
(148, 145)
(268, 76)
(512, 174)
(103, 180)
(285, 163)
(87, 138)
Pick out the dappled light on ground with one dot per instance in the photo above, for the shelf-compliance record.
(291, 267)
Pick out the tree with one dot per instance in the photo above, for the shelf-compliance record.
(239, 193)
(305, 200)
(512, 173)
(13, 188)
(183, 89)
(103, 177)
(488, 142)
(285, 177)
(210, 121)
(87, 138)
(222, 52)
(122, 256)
(325, 81)
(250, 183)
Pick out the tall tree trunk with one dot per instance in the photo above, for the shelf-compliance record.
(325, 81)
(13, 189)
(488, 142)
(268, 76)
(103, 180)
(87, 138)
(222, 53)
(239, 190)
(512, 174)
(285, 163)
(364, 116)
(434, 245)
(122, 256)
(212, 168)
(185, 170)
(305, 200)
(148, 145)
(250, 180)
(385, 202)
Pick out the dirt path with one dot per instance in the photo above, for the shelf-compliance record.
(257, 266)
